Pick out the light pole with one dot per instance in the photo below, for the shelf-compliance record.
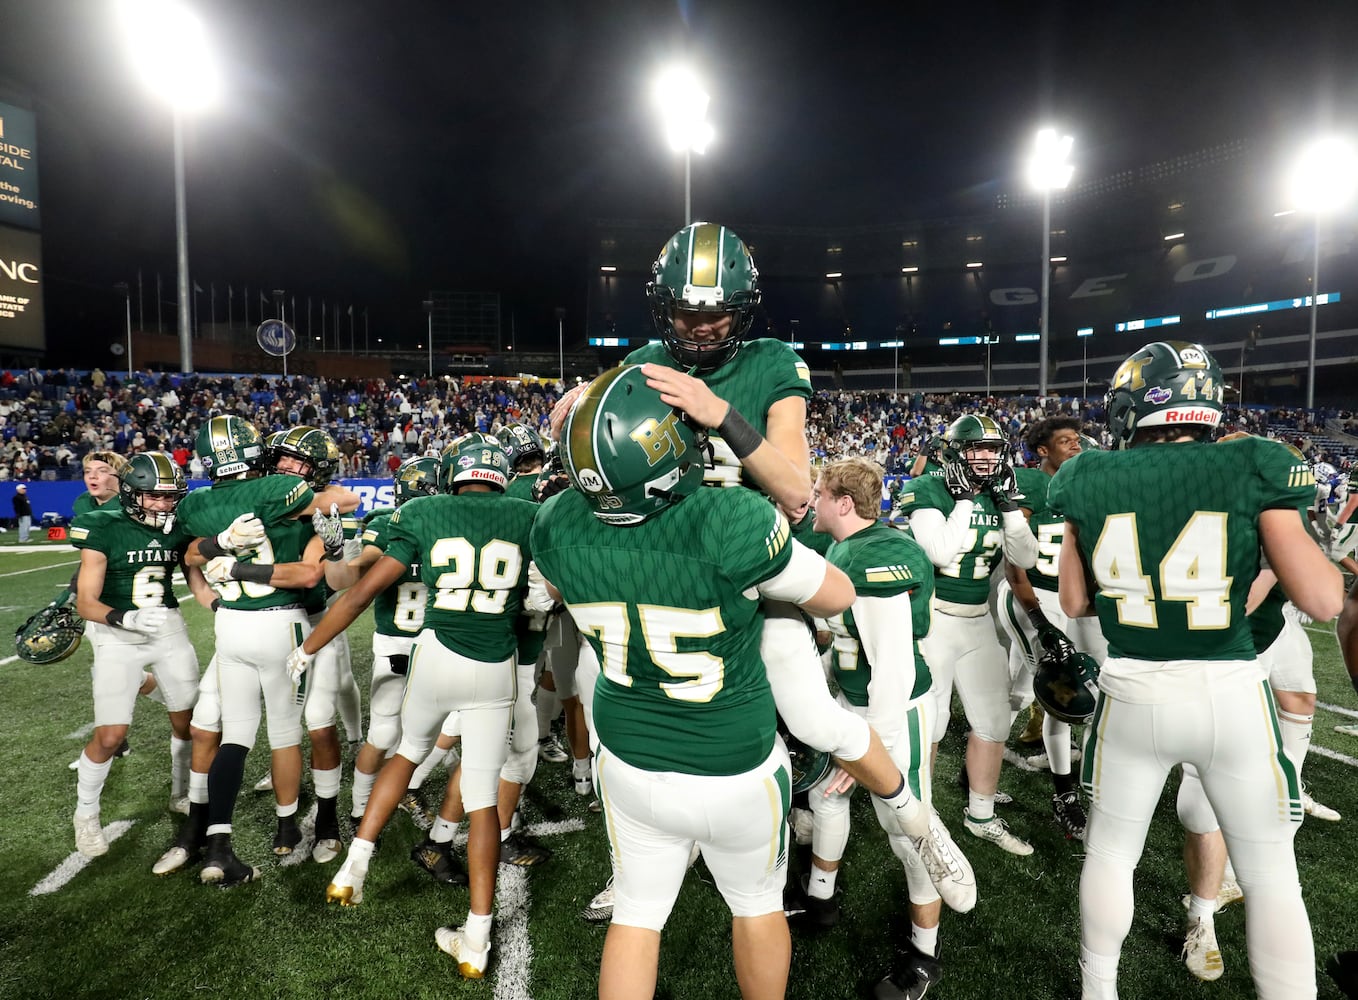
(989, 342)
(1084, 333)
(169, 48)
(429, 312)
(561, 343)
(123, 287)
(1048, 169)
(683, 104)
(1322, 181)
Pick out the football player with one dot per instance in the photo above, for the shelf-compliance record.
(473, 550)
(1030, 613)
(663, 579)
(125, 590)
(967, 521)
(1162, 541)
(885, 680)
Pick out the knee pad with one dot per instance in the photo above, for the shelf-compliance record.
(521, 765)
(384, 731)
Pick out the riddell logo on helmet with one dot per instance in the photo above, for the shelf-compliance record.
(1192, 416)
(494, 477)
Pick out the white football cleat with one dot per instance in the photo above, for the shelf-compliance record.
(997, 832)
(89, 836)
(179, 804)
(1230, 892)
(346, 888)
(1201, 954)
(600, 908)
(1318, 809)
(326, 851)
(471, 962)
(948, 868)
(171, 861)
(265, 784)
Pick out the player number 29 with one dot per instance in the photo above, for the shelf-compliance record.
(480, 580)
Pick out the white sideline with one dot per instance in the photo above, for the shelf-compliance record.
(1343, 758)
(515, 960)
(1337, 709)
(76, 862)
(8, 659)
(28, 550)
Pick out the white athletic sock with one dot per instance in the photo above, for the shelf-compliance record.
(580, 767)
(924, 938)
(89, 784)
(1098, 976)
(443, 831)
(424, 767)
(288, 810)
(980, 807)
(820, 884)
(1296, 736)
(181, 752)
(504, 833)
(363, 788)
(1056, 741)
(477, 929)
(1201, 909)
(198, 788)
(549, 707)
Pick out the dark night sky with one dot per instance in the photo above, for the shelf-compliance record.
(367, 152)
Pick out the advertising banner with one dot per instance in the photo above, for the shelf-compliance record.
(21, 319)
(18, 167)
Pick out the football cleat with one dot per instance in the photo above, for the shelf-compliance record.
(346, 888)
(179, 804)
(948, 868)
(264, 784)
(326, 849)
(174, 859)
(471, 962)
(595, 806)
(550, 751)
(584, 785)
(1318, 809)
(600, 908)
(413, 805)
(89, 836)
(439, 861)
(914, 974)
(1201, 954)
(1230, 892)
(810, 912)
(997, 832)
(1342, 967)
(222, 868)
(287, 837)
(517, 849)
(1032, 729)
(1070, 814)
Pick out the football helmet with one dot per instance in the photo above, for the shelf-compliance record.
(311, 446)
(809, 765)
(521, 444)
(50, 634)
(417, 477)
(628, 452)
(229, 446)
(151, 474)
(704, 268)
(1066, 683)
(1164, 384)
(977, 441)
(473, 458)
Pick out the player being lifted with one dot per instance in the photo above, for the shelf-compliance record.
(471, 543)
(1162, 541)
(967, 520)
(128, 554)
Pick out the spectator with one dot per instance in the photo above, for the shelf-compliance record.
(23, 511)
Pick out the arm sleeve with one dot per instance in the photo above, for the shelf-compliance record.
(884, 628)
(1020, 544)
(942, 538)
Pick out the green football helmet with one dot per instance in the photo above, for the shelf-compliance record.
(1167, 383)
(809, 765)
(229, 446)
(473, 458)
(1066, 683)
(417, 477)
(522, 445)
(704, 268)
(312, 447)
(977, 441)
(628, 452)
(151, 474)
(51, 634)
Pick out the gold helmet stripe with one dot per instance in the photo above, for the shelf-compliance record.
(581, 423)
(704, 255)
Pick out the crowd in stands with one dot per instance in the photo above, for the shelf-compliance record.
(49, 419)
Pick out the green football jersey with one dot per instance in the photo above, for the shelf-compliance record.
(85, 503)
(881, 562)
(1048, 527)
(531, 627)
(473, 551)
(275, 500)
(965, 580)
(763, 372)
(1266, 621)
(1170, 533)
(141, 560)
(521, 486)
(398, 610)
(668, 607)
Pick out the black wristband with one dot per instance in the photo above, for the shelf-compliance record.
(252, 572)
(899, 788)
(210, 548)
(334, 555)
(216, 603)
(1038, 619)
(115, 617)
(736, 431)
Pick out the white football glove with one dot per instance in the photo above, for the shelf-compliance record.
(245, 533)
(218, 570)
(298, 663)
(147, 621)
(330, 530)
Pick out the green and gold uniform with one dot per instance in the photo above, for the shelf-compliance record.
(398, 610)
(965, 580)
(86, 503)
(141, 559)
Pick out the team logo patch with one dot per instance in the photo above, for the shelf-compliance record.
(466, 462)
(1158, 395)
(590, 481)
(1192, 357)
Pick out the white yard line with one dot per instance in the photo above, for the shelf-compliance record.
(77, 862)
(83, 733)
(1337, 709)
(40, 569)
(28, 550)
(514, 962)
(1343, 758)
(8, 660)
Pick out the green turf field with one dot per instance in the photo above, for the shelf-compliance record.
(115, 930)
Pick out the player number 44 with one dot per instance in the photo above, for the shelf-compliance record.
(1193, 571)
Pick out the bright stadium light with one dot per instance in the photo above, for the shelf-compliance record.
(1323, 180)
(683, 101)
(1049, 169)
(169, 50)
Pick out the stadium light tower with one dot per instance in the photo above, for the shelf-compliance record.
(1048, 170)
(683, 101)
(169, 50)
(1322, 181)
